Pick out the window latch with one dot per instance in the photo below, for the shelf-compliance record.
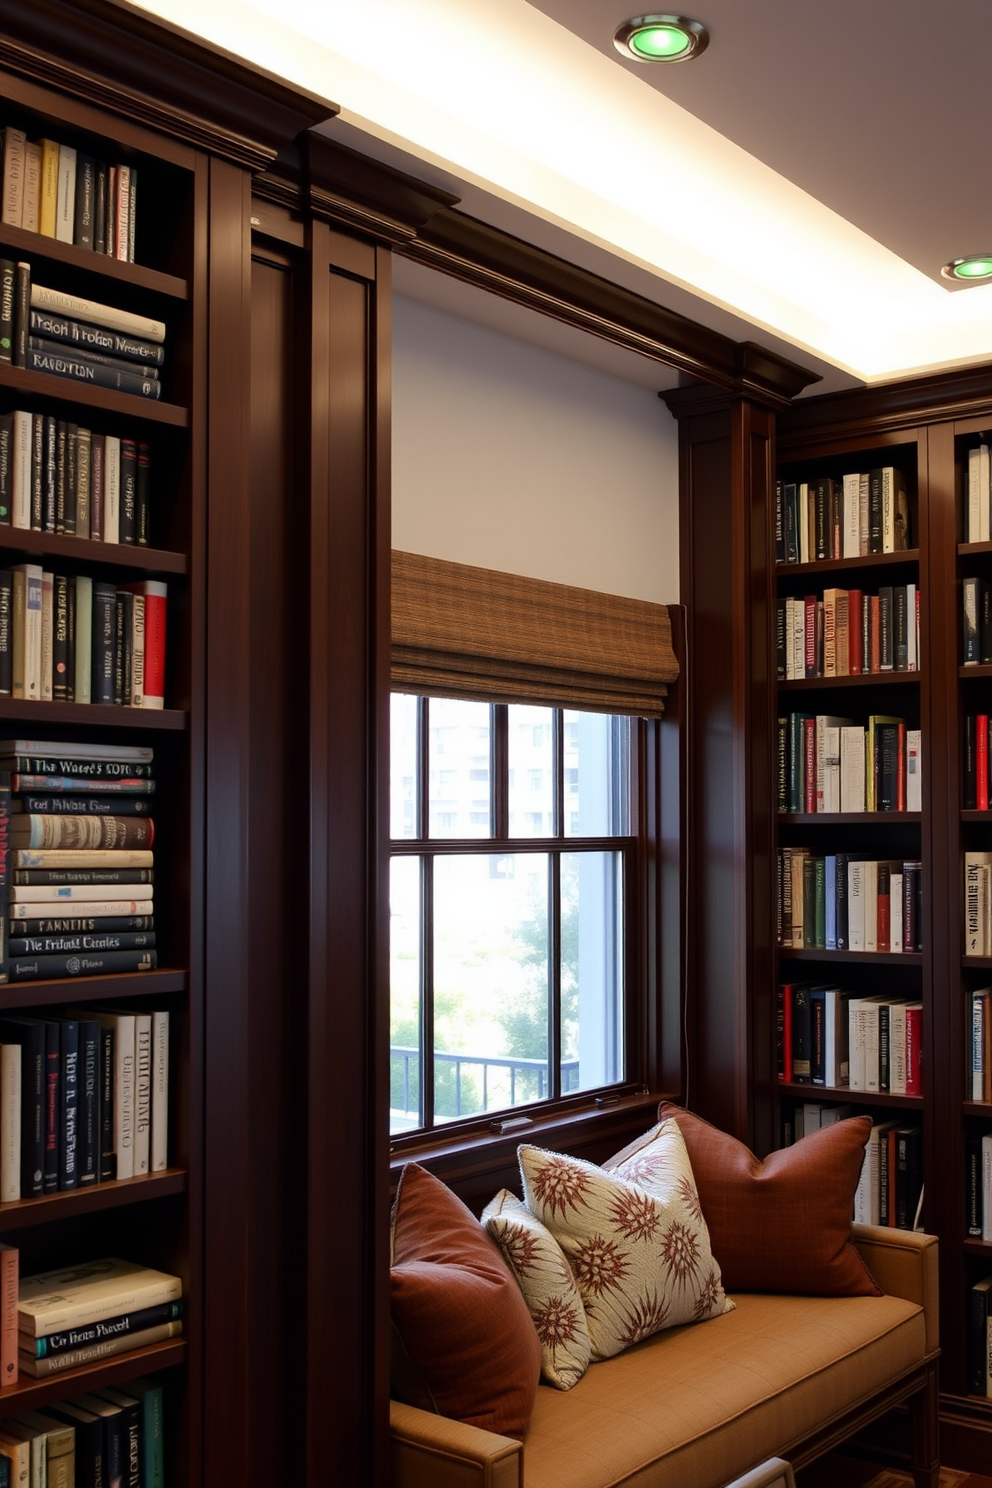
(510, 1124)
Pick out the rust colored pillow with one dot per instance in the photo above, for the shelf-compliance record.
(782, 1225)
(467, 1345)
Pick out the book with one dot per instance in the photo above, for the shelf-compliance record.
(80, 963)
(75, 1296)
(10, 1122)
(979, 1316)
(80, 369)
(65, 203)
(88, 1431)
(56, 1363)
(86, 831)
(74, 307)
(9, 1281)
(57, 1445)
(122, 1325)
(96, 338)
(151, 1395)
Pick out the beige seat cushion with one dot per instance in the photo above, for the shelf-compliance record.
(689, 1404)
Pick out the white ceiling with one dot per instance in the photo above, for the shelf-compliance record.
(799, 185)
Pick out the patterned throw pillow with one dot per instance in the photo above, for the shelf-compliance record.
(635, 1239)
(537, 1261)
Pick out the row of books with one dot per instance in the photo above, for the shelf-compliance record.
(830, 764)
(56, 476)
(978, 502)
(830, 1037)
(72, 638)
(109, 1436)
(846, 633)
(980, 1338)
(978, 1186)
(976, 622)
(52, 189)
(890, 1188)
(76, 879)
(84, 1099)
(847, 518)
(800, 1121)
(978, 904)
(848, 902)
(979, 1071)
(66, 335)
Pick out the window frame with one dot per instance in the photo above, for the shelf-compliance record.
(641, 972)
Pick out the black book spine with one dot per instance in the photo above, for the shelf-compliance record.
(70, 644)
(985, 622)
(143, 515)
(782, 756)
(61, 460)
(970, 641)
(66, 364)
(108, 1152)
(53, 1101)
(71, 477)
(51, 473)
(909, 1159)
(6, 641)
(89, 1101)
(100, 208)
(84, 234)
(6, 868)
(128, 491)
(79, 924)
(119, 696)
(885, 628)
(90, 770)
(821, 520)
(30, 1034)
(83, 803)
(978, 1335)
(55, 876)
(60, 639)
(6, 466)
(840, 902)
(790, 496)
(875, 511)
(37, 470)
(809, 903)
(114, 1449)
(887, 745)
(884, 1016)
(69, 1104)
(818, 1035)
(87, 963)
(969, 776)
(104, 629)
(22, 310)
(131, 1477)
(802, 1036)
(125, 603)
(973, 1187)
(8, 291)
(779, 524)
(56, 945)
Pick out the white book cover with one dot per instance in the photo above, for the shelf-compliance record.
(852, 769)
(856, 1042)
(14, 145)
(160, 1091)
(47, 635)
(974, 498)
(96, 313)
(852, 524)
(798, 639)
(10, 1123)
(895, 913)
(855, 908)
(31, 205)
(912, 661)
(20, 495)
(973, 920)
(897, 1048)
(60, 894)
(985, 491)
(985, 906)
(914, 770)
(831, 768)
(869, 1013)
(987, 1186)
(76, 909)
(65, 205)
(870, 893)
(142, 1092)
(87, 1293)
(32, 630)
(811, 1117)
(112, 489)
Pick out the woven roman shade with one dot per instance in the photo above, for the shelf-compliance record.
(470, 632)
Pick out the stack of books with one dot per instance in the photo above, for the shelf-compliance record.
(73, 1316)
(65, 335)
(890, 1189)
(80, 891)
(57, 476)
(53, 189)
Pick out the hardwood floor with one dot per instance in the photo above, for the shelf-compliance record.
(840, 1471)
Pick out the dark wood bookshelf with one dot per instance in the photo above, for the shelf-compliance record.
(975, 669)
(838, 565)
(844, 1095)
(868, 958)
(87, 715)
(31, 245)
(30, 1394)
(849, 818)
(966, 549)
(55, 1207)
(977, 1247)
(86, 395)
(92, 552)
(121, 984)
(860, 679)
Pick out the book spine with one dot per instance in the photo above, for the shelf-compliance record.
(74, 1358)
(914, 1051)
(104, 635)
(108, 1112)
(10, 1123)
(9, 1268)
(6, 467)
(83, 963)
(121, 1326)
(65, 206)
(37, 471)
(52, 945)
(95, 338)
(159, 1156)
(95, 313)
(82, 655)
(67, 364)
(69, 1108)
(8, 280)
(83, 226)
(22, 296)
(89, 1101)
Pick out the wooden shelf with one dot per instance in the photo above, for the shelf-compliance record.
(844, 1094)
(977, 1247)
(120, 984)
(58, 1206)
(29, 1394)
(967, 549)
(84, 394)
(86, 715)
(837, 565)
(34, 245)
(978, 1108)
(851, 818)
(85, 550)
(873, 958)
(976, 669)
(861, 679)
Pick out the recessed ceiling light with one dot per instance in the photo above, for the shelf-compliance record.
(975, 266)
(661, 38)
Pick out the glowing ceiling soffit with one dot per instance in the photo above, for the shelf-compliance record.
(500, 95)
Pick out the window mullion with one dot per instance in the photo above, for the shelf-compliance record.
(427, 991)
(500, 772)
(554, 1014)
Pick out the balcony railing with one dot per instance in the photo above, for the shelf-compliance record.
(517, 1067)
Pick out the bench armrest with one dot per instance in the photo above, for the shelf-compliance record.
(904, 1263)
(429, 1451)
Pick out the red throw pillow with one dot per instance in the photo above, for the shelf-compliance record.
(468, 1346)
(782, 1225)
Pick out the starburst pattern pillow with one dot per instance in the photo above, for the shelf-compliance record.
(542, 1272)
(635, 1239)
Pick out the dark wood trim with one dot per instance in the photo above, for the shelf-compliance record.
(966, 1433)
(148, 70)
(479, 254)
(864, 413)
(348, 188)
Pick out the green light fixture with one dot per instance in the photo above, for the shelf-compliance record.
(661, 38)
(971, 270)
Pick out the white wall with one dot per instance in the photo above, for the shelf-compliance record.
(508, 456)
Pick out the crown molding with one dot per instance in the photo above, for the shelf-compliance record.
(965, 393)
(115, 56)
(353, 191)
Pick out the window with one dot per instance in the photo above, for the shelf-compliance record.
(510, 973)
